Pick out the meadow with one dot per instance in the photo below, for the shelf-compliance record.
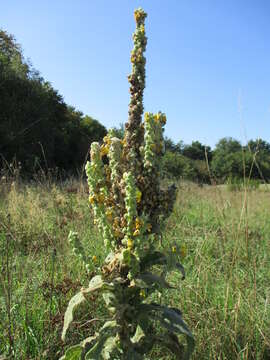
(225, 297)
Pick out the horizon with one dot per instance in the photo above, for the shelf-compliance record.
(207, 65)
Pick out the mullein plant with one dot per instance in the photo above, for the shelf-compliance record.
(130, 208)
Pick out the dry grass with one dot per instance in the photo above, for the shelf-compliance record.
(225, 297)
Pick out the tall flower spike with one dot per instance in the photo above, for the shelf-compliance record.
(134, 132)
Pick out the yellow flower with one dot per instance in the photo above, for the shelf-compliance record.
(156, 117)
(136, 232)
(130, 243)
(183, 251)
(104, 150)
(138, 196)
(142, 293)
(91, 199)
(107, 140)
(109, 214)
(138, 223)
(139, 58)
(174, 249)
(146, 117)
(149, 227)
(163, 119)
(137, 15)
(133, 58)
(94, 258)
(101, 198)
(117, 233)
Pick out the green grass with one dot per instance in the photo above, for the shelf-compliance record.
(225, 298)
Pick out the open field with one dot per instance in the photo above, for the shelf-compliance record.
(225, 297)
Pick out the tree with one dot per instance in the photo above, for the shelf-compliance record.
(227, 159)
(170, 145)
(228, 145)
(118, 131)
(36, 126)
(259, 151)
(197, 151)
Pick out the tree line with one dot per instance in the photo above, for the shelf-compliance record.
(229, 160)
(37, 128)
(40, 131)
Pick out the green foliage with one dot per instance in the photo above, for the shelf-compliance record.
(197, 151)
(231, 160)
(259, 151)
(130, 209)
(175, 165)
(227, 159)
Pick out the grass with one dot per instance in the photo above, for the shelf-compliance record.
(225, 297)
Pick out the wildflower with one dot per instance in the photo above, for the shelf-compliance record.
(157, 117)
(94, 258)
(104, 150)
(138, 196)
(107, 140)
(101, 198)
(130, 243)
(117, 233)
(147, 117)
(136, 15)
(142, 293)
(109, 214)
(91, 199)
(136, 232)
(133, 58)
(138, 223)
(183, 251)
(163, 119)
(174, 249)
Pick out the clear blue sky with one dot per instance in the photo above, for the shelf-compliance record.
(208, 62)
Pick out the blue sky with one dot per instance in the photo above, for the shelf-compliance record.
(208, 62)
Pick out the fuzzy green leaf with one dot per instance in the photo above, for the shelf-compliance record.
(139, 334)
(172, 320)
(72, 305)
(180, 267)
(73, 353)
(157, 258)
(105, 344)
(150, 279)
(97, 283)
(154, 258)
